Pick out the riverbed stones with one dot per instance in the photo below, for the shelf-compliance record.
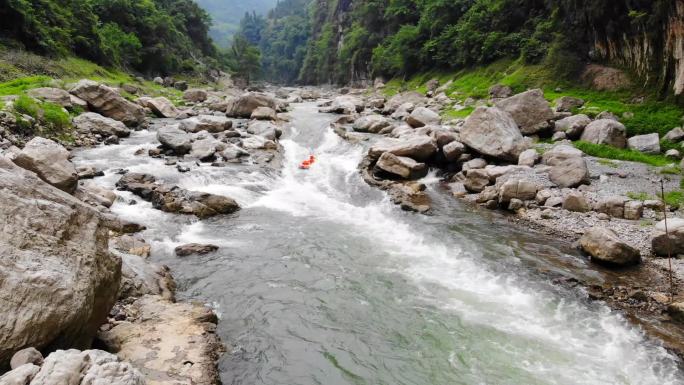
(568, 167)
(140, 277)
(371, 123)
(672, 245)
(265, 129)
(195, 95)
(169, 343)
(568, 103)
(194, 248)
(453, 150)
(94, 123)
(476, 180)
(528, 157)
(175, 139)
(175, 199)
(613, 205)
(493, 132)
(577, 202)
(401, 166)
(205, 148)
(606, 131)
(244, 105)
(634, 210)
(521, 189)
(57, 276)
(258, 142)
(648, 144)
(53, 95)
(209, 123)
(50, 161)
(530, 111)
(403, 98)
(418, 147)
(423, 116)
(26, 356)
(264, 113)
(605, 247)
(108, 102)
(162, 107)
(573, 126)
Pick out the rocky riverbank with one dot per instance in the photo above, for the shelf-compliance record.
(76, 276)
(514, 153)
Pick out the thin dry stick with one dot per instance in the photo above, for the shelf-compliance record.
(667, 236)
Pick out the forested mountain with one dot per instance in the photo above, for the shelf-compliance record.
(226, 15)
(150, 36)
(321, 41)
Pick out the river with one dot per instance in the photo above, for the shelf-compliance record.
(319, 279)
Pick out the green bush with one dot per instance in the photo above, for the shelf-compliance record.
(55, 117)
(27, 106)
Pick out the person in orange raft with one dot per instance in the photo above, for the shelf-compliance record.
(305, 165)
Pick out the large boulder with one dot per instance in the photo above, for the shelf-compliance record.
(243, 106)
(422, 116)
(205, 148)
(74, 367)
(345, 104)
(418, 147)
(529, 110)
(605, 247)
(648, 144)
(162, 107)
(264, 113)
(493, 132)
(209, 123)
(522, 189)
(108, 102)
(266, 129)
(195, 95)
(52, 95)
(175, 139)
(605, 131)
(401, 166)
(58, 280)
(94, 123)
(572, 126)
(568, 166)
(175, 199)
(410, 97)
(258, 142)
(371, 123)
(50, 161)
(170, 343)
(672, 245)
(500, 91)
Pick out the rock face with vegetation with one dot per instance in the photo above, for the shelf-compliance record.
(58, 279)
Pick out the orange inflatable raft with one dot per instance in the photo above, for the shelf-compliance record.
(305, 165)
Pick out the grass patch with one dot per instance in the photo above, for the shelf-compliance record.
(674, 198)
(55, 117)
(645, 117)
(27, 106)
(458, 114)
(609, 152)
(19, 86)
(671, 170)
(608, 163)
(641, 196)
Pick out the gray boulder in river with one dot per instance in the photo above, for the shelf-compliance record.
(243, 106)
(50, 161)
(108, 102)
(58, 280)
(493, 132)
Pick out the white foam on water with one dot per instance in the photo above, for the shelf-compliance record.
(555, 340)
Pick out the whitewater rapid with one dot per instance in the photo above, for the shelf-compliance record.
(320, 279)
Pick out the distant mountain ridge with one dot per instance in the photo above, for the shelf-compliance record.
(226, 15)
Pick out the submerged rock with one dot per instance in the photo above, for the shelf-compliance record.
(175, 199)
(194, 248)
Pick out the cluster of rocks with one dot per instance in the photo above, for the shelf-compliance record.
(490, 158)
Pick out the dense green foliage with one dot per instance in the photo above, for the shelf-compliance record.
(244, 59)
(351, 40)
(152, 36)
(226, 15)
